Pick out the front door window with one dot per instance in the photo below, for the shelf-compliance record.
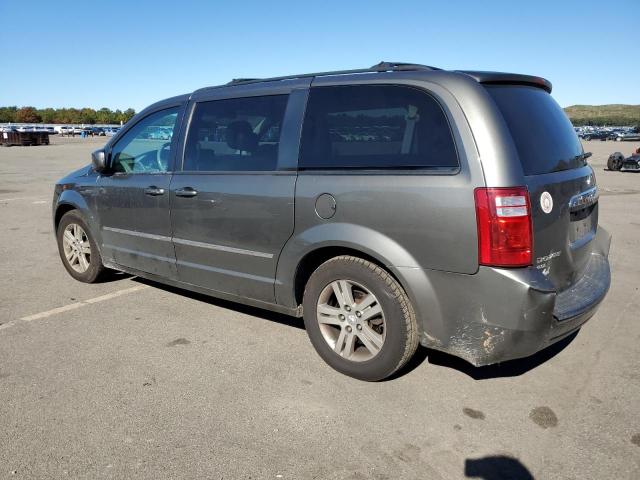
(146, 147)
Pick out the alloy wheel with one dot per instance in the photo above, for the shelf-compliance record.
(351, 320)
(76, 246)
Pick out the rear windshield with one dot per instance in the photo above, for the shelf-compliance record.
(543, 134)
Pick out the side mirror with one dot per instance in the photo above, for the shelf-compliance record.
(99, 160)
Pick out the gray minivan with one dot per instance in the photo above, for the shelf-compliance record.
(388, 206)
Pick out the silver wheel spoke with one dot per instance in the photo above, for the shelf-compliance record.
(85, 248)
(342, 291)
(82, 261)
(68, 236)
(345, 343)
(372, 340)
(366, 302)
(328, 315)
(371, 312)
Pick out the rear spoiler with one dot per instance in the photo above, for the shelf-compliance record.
(500, 78)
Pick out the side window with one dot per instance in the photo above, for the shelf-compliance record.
(146, 146)
(236, 134)
(373, 127)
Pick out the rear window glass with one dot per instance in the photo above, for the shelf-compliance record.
(543, 135)
(374, 127)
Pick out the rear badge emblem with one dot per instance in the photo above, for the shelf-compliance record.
(546, 202)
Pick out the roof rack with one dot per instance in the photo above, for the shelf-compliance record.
(380, 67)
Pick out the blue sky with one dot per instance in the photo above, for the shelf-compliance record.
(121, 54)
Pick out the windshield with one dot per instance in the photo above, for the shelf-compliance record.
(543, 135)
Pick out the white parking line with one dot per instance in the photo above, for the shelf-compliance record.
(73, 306)
(22, 198)
(38, 202)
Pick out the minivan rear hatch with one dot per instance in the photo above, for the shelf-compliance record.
(561, 185)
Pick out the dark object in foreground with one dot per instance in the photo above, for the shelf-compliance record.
(7, 139)
(618, 162)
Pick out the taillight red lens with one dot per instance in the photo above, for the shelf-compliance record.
(504, 226)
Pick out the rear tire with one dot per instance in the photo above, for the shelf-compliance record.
(614, 162)
(77, 248)
(377, 326)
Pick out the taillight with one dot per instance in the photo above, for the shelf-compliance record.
(504, 226)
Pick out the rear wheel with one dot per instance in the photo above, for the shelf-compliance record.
(615, 161)
(359, 319)
(77, 248)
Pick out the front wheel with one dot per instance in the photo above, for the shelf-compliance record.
(359, 319)
(77, 248)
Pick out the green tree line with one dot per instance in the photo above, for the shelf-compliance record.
(616, 114)
(87, 116)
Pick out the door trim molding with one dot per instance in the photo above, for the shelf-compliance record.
(138, 234)
(191, 243)
(223, 248)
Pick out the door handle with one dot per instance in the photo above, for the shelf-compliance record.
(186, 192)
(153, 190)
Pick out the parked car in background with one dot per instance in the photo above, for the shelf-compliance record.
(388, 207)
(626, 136)
(110, 132)
(595, 135)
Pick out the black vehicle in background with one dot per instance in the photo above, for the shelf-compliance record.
(617, 161)
(596, 135)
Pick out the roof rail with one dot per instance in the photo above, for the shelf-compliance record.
(380, 67)
(242, 80)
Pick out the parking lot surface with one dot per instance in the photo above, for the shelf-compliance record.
(131, 379)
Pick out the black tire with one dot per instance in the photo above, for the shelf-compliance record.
(400, 325)
(96, 268)
(614, 162)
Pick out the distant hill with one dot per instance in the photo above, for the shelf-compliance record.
(604, 114)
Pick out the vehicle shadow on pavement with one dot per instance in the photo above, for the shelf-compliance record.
(498, 467)
(511, 368)
(218, 302)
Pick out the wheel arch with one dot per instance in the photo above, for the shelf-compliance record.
(72, 200)
(61, 210)
(313, 259)
(308, 250)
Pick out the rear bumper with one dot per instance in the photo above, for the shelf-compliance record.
(498, 314)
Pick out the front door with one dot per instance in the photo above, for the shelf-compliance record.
(133, 202)
(232, 205)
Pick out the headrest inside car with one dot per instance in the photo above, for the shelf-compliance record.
(240, 136)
